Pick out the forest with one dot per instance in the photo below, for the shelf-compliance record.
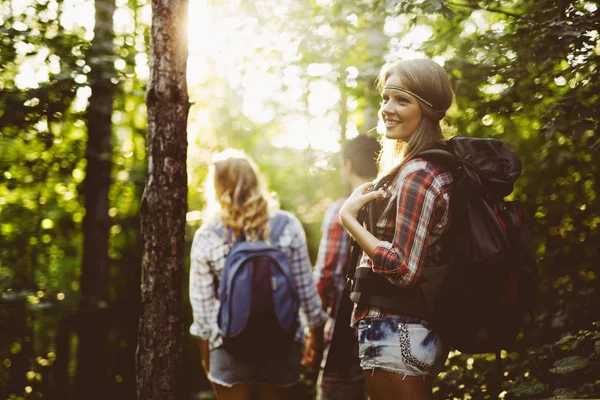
(97, 97)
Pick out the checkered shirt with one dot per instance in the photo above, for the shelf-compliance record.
(332, 263)
(208, 258)
(414, 214)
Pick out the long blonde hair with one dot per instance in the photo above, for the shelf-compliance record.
(240, 195)
(429, 81)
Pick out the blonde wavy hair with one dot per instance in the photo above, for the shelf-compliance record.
(429, 81)
(240, 196)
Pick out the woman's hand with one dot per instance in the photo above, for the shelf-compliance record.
(204, 354)
(314, 346)
(359, 197)
(349, 212)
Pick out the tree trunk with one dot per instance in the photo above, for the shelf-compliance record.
(343, 117)
(92, 378)
(159, 355)
(60, 367)
(378, 46)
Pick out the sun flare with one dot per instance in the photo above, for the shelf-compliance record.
(235, 47)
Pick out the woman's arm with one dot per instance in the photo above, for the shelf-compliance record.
(204, 354)
(421, 201)
(310, 302)
(349, 213)
(201, 289)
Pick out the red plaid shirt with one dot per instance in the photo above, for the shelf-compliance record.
(413, 216)
(330, 270)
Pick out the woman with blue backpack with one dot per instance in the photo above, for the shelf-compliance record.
(400, 354)
(250, 277)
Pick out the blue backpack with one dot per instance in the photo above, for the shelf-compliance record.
(258, 312)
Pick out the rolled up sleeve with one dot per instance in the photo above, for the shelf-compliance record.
(417, 198)
(311, 311)
(202, 285)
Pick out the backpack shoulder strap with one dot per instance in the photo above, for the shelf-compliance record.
(440, 154)
(278, 224)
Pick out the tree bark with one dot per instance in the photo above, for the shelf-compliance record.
(92, 377)
(60, 367)
(159, 355)
(378, 45)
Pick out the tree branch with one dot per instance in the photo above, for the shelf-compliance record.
(489, 9)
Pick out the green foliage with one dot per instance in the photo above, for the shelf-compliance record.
(42, 144)
(568, 368)
(543, 103)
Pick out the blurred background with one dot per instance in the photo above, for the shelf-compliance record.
(288, 81)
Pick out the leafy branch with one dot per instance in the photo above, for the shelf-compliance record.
(476, 6)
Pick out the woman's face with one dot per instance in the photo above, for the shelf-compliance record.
(400, 111)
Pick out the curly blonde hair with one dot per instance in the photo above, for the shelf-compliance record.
(242, 200)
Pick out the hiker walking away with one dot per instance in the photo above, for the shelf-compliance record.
(270, 247)
(399, 354)
(340, 376)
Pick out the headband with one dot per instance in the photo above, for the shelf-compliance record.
(412, 94)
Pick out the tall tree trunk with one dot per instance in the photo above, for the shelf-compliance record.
(378, 46)
(343, 117)
(159, 357)
(93, 355)
(60, 367)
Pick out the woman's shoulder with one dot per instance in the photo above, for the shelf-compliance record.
(210, 227)
(424, 167)
(292, 228)
(286, 217)
(429, 173)
(207, 238)
(421, 164)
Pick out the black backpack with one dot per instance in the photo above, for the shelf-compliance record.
(477, 302)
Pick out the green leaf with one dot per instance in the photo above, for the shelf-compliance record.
(569, 364)
(564, 393)
(529, 388)
(565, 339)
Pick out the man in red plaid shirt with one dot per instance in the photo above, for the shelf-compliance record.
(341, 375)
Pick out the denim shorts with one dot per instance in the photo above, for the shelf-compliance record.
(402, 345)
(226, 370)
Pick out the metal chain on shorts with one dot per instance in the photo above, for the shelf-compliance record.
(404, 337)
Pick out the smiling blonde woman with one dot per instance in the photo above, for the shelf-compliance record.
(400, 355)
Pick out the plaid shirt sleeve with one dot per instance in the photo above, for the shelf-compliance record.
(331, 259)
(422, 207)
(310, 304)
(205, 247)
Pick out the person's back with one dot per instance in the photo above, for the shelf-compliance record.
(244, 215)
(341, 376)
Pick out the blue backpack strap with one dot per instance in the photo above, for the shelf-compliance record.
(278, 223)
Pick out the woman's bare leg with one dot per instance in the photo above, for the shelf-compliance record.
(272, 392)
(383, 385)
(241, 391)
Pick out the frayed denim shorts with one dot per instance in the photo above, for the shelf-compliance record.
(402, 345)
(225, 370)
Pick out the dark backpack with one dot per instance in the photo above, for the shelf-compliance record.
(258, 312)
(477, 303)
